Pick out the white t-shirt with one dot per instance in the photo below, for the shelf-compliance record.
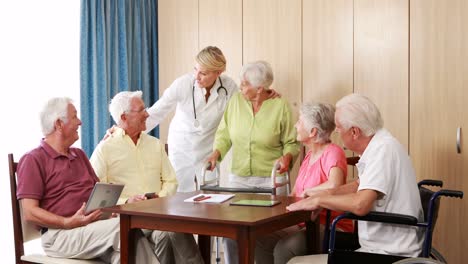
(386, 168)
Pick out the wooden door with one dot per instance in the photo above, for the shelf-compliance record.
(272, 32)
(381, 60)
(177, 44)
(438, 92)
(221, 26)
(327, 53)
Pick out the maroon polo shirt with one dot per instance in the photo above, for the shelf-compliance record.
(61, 183)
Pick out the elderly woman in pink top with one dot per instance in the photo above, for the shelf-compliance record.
(323, 167)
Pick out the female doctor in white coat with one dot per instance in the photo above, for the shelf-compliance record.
(199, 99)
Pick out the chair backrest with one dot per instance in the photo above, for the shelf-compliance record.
(23, 230)
(352, 161)
(426, 195)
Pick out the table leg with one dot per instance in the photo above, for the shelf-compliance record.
(127, 250)
(204, 244)
(313, 237)
(246, 246)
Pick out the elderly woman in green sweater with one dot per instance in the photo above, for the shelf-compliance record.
(260, 132)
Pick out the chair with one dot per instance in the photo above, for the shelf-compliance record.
(430, 201)
(25, 231)
(349, 238)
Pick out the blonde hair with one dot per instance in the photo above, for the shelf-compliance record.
(212, 59)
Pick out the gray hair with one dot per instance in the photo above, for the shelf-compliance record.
(258, 74)
(320, 116)
(120, 104)
(356, 110)
(54, 109)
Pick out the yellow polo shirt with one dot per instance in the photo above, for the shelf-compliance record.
(143, 167)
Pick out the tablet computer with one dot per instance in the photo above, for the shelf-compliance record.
(249, 202)
(103, 195)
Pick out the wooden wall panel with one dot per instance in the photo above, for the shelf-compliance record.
(272, 32)
(225, 32)
(381, 60)
(324, 49)
(327, 50)
(178, 44)
(438, 89)
(327, 53)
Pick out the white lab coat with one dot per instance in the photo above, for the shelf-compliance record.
(190, 146)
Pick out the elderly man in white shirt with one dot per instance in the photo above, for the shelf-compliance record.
(387, 183)
(131, 157)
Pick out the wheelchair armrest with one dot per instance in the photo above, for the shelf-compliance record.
(389, 218)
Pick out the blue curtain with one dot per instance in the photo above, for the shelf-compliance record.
(118, 52)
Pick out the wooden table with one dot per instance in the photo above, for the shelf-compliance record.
(241, 223)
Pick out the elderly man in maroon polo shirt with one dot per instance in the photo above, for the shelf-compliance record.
(54, 183)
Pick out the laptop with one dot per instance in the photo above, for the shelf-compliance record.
(103, 195)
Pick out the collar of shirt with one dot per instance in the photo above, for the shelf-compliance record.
(371, 148)
(119, 132)
(200, 93)
(54, 154)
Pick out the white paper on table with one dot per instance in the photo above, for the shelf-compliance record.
(214, 198)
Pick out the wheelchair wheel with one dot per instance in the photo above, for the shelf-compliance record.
(417, 261)
(437, 256)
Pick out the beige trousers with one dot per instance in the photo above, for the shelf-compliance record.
(100, 239)
(174, 248)
(310, 259)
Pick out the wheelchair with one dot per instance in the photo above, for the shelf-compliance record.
(430, 201)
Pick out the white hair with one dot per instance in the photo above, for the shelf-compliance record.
(356, 110)
(54, 109)
(258, 74)
(320, 116)
(120, 104)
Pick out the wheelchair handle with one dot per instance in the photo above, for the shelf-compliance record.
(430, 183)
(451, 193)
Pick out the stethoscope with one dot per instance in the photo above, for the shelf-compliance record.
(196, 123)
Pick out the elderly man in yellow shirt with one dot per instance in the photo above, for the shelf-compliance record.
(131, 157)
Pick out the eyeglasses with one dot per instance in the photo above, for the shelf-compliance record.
(138, 111)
